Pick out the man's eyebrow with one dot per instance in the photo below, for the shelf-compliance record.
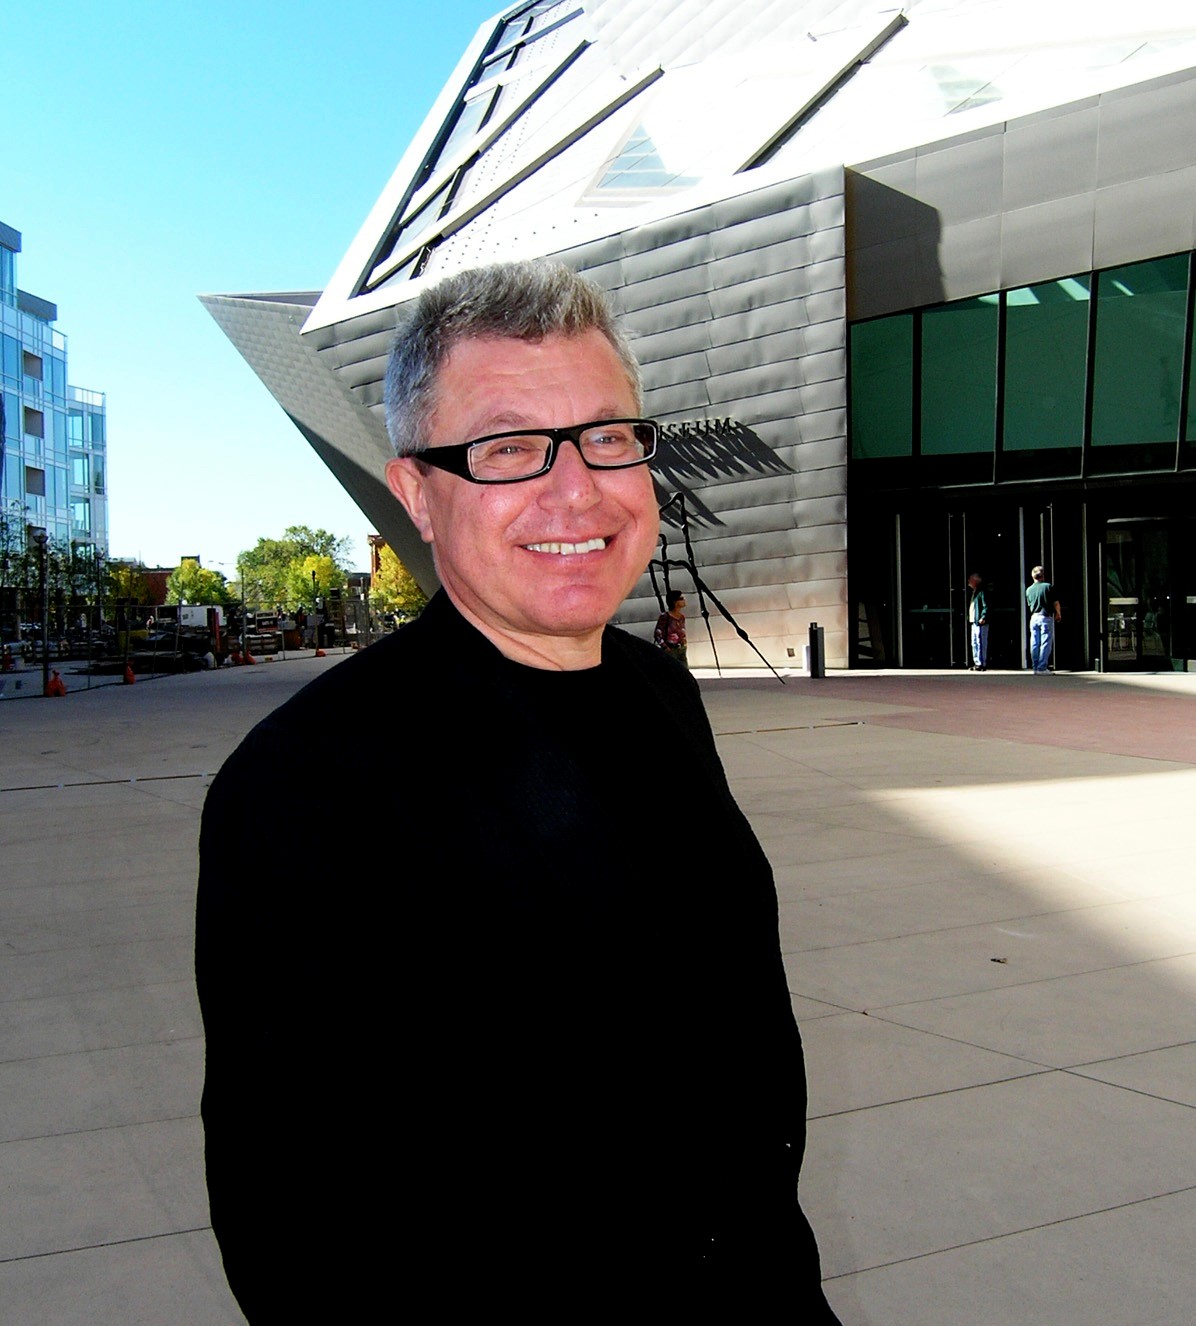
(513, 419)
(498, 423)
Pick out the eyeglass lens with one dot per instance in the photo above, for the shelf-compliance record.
(519, 456)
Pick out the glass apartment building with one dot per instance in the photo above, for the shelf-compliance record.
(53, 473)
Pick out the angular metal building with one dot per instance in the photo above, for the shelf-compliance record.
(912, 290)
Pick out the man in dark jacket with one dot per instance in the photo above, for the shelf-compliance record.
(978, 622)
(530, 1066)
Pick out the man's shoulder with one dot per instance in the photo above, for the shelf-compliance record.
(650, 661)
(393, 682)
(619, 643)
(397, 658)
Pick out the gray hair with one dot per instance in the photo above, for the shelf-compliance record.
(524, 301)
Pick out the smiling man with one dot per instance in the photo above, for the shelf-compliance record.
(525, 1064)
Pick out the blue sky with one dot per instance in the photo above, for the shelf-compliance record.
(159, 150)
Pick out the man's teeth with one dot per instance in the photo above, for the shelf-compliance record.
(567, 549)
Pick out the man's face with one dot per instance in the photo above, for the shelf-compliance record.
(492, 542)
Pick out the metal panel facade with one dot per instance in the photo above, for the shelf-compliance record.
(1103, 181)
(737, 312)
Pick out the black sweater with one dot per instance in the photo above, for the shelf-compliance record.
(487, 1045)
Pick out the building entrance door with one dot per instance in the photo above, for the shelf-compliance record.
(937, 551)
(929, 555)
(1146, 610)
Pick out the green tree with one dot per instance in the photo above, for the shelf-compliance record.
(14, 520)
(320, 543)
(271, 568)
(127, 583)
(393, 588)
(191, 583)
(86, 573)
(60, 568)
(19, 568)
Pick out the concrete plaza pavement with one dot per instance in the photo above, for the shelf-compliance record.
(988, 921)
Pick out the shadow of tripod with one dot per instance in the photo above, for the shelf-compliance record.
(664, 562)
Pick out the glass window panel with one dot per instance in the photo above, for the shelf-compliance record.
(75, 421)
(1046, 349)
(469, 121)
(882, 387)
(96, 426)
(14, 471)
(529, 19)
(959, 377)
(12, 415)
(11, 357)
(79, 471)
(414, 227)
(639, 165)
(1140, 315)
(35, 482)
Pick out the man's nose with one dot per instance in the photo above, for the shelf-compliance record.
(570, 479)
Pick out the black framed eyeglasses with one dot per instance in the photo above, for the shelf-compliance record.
(609, 444)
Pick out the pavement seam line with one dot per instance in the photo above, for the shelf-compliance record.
(107, 1243)
(105, 782)
(1013, 1233)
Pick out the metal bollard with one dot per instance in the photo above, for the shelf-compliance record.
(817, 651)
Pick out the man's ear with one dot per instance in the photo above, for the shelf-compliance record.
(404, 479)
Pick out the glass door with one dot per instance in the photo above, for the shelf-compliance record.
(1140, 626)
(930, 552)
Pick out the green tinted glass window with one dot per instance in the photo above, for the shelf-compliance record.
(1190, 432)
(959, 377)
(1139, 352)
(882, 387)
(1046, 348)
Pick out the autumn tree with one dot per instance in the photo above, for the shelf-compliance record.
(191, 583)
(393, 588)
(315, 574)
(127, 583)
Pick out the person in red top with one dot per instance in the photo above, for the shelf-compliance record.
(670, 628)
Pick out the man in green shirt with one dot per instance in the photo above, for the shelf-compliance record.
(1044, 613)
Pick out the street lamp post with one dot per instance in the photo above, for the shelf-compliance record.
(244, 632)
(42, 539)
